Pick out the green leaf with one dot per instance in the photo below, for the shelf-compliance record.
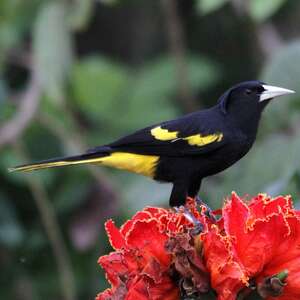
(52, 48)
(281, 70)
(203, 73)
(205, 7)
(156, 84)
(120, 102)
(99, 86)
(9, 37)
(261, 10)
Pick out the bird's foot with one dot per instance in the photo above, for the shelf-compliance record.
(198, 226)
(208, 211)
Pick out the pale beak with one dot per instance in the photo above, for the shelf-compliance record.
(273, 91)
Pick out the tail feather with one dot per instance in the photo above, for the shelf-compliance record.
(61, 161)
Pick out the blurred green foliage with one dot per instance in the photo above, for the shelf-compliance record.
(105, 68)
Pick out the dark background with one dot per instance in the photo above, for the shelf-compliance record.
(76, 74)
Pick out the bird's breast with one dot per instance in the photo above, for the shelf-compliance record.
(225, 157)
(233, 152)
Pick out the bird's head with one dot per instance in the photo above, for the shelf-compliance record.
(249, 98)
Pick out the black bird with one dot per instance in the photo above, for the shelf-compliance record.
(188, 149)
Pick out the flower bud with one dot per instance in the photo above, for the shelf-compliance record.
(272, 286)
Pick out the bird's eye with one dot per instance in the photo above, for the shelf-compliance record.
(248, 91)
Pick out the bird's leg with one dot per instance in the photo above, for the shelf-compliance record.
(177, 198)
(209, 213)
(198, 226)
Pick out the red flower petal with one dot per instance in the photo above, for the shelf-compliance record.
(165, 290)
(287, 257)
(146, 237)
(115, 267)
(141, 215)
(139, 268)
(227, 275)
(138, 290)
(116, 239)
(257, 240)
(250, 237)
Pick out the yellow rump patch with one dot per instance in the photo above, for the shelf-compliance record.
(141, 164)
(137, 163)
(199, 140)
(163, 134)
(193, 140)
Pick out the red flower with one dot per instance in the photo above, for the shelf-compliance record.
(140, 266)
(255, 245)
(254, 241)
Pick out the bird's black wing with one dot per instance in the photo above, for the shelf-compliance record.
(194, 134)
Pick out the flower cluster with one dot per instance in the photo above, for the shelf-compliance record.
(254, 247)
(139, 268)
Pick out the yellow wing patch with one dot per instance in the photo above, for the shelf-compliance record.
(200, 140)
(163, 134)
(137, 163)
(193, 140)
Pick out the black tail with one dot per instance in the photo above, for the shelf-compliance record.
(62, 161)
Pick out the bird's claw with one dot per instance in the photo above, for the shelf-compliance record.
(198, 226)
(208, 211)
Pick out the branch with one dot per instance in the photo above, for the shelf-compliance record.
(177, 48)
(53, 232)
(12, 130)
